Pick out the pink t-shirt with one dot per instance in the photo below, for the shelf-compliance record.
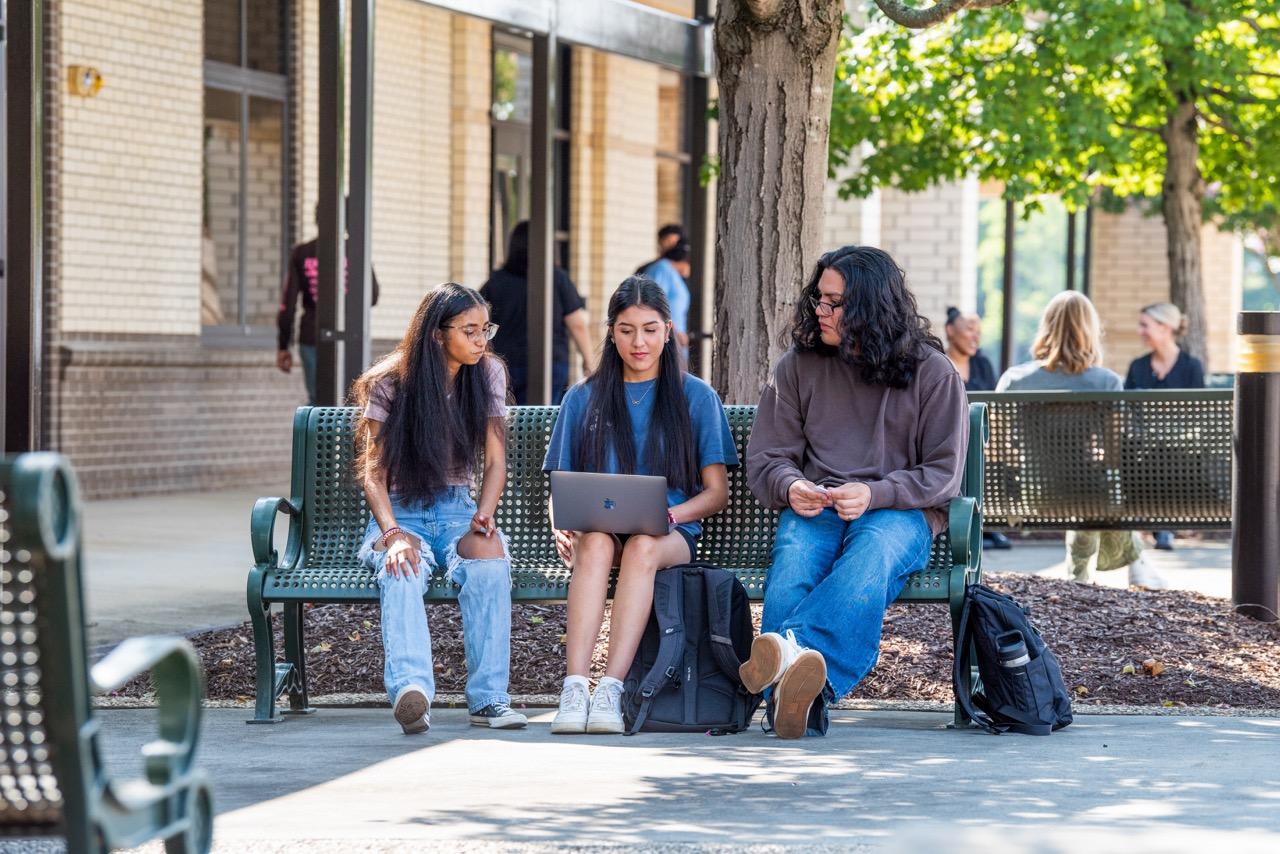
(380, 396)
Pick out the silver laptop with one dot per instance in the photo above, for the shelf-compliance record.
(609, 503)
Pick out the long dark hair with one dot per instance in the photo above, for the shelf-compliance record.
(607, 425)
(428, 435)
(881, 331)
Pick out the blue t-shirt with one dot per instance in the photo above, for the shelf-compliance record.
(711, 433)
(676, 289)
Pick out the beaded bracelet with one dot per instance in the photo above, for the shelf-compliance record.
(394, 529)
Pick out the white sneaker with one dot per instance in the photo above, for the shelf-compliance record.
(572, 715)
(412, 710)
(606, 709)
(1146, 576)
(771, 655)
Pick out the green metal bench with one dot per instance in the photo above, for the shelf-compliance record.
(327, 517)
(1121, 460)
(52, 780)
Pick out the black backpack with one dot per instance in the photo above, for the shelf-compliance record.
(1021, 688)
(685, 675)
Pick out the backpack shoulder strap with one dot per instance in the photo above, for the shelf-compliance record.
(718, 586)
(962, 660)
(668, 612)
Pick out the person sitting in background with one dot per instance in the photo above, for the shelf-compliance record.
(507, 292)
(964, 337)
(1067, 350)
(1166, 365)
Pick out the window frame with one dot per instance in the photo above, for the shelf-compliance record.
(247, 83)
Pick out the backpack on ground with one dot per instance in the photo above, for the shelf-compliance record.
(1021, 688)
(685, 675)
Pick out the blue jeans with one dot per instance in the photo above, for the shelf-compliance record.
(485, 601)
(307, 352)
(831, 582)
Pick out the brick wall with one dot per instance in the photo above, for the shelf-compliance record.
(469, 151)
(933, 235)
(129, 204)
(1130, 270)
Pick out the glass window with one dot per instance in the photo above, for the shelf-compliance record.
(246, 144)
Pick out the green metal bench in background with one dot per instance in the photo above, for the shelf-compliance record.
(1121, 460)
(52, 780)
(327, 518)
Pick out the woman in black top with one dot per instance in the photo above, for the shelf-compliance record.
(964, 334)
(1166, 366)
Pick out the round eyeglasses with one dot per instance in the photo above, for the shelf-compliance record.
(825, 309)
(477, 333)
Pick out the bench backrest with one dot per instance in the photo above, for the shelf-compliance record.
(335, 513)
(43, 680)
(1108, 460)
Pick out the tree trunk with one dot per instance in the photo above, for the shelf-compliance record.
(775, 69)
(1183, 215)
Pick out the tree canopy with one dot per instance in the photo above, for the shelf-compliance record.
(1067, 97)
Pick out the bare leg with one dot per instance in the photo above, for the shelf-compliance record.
(633, 598)
(473, 546)
(593, 557)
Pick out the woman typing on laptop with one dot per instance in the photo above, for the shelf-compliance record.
(637, 414)
(430, 408)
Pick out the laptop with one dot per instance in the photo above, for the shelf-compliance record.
(609, 503)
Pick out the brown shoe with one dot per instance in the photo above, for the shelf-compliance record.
(771, 655)
(799, 686)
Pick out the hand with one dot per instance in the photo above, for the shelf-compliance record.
(483, 524)
(402, 556)
(851, 500)
(284, 360)
(586, 366)
(564, 545)
(807, 498)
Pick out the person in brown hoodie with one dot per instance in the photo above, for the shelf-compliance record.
(859, 440)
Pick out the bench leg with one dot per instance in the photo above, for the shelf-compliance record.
(269, 675)
(295, 652)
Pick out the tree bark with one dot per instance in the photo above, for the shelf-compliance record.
(1183, 205)
(775, 69)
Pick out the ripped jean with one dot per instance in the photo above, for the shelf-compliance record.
(485, 600)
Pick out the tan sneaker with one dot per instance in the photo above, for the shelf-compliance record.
(795, 692)
(412, 710)
(771, 655)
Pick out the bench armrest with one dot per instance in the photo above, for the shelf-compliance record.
(179, 684)
(964, 527)
(262, 528)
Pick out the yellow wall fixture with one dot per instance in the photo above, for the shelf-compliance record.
(83, 80)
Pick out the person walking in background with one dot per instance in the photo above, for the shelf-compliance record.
(964, 339)
(1166, 365)
(507, 292)
(302, 279)
(668, 236)
(1067, 351)
(671, 272)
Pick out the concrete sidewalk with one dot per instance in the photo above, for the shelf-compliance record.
(346, 779)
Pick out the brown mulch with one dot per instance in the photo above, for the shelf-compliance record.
(1203, 652)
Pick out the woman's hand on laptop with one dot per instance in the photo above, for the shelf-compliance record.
(564, 545)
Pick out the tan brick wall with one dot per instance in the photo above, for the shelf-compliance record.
(129, 204)
(470, 151)
(933, 235)
(1130, 269)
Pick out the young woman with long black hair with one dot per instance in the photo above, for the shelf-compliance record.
(431, 409)
(638, 413)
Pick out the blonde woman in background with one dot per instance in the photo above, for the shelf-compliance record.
(1160, 325)
(1067, 351)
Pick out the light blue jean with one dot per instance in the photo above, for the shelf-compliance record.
(307, 352)
(831, 582)
(485, 601)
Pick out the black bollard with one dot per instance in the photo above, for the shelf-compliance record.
(1255, 534)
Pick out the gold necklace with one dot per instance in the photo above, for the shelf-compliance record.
(636, 402)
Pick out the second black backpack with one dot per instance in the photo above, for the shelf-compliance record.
(1022, 687)
(685, 675)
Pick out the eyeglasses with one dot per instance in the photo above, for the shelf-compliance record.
(477, 333)
(825, 309)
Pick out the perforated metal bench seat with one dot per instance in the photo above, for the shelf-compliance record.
(328, 515)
